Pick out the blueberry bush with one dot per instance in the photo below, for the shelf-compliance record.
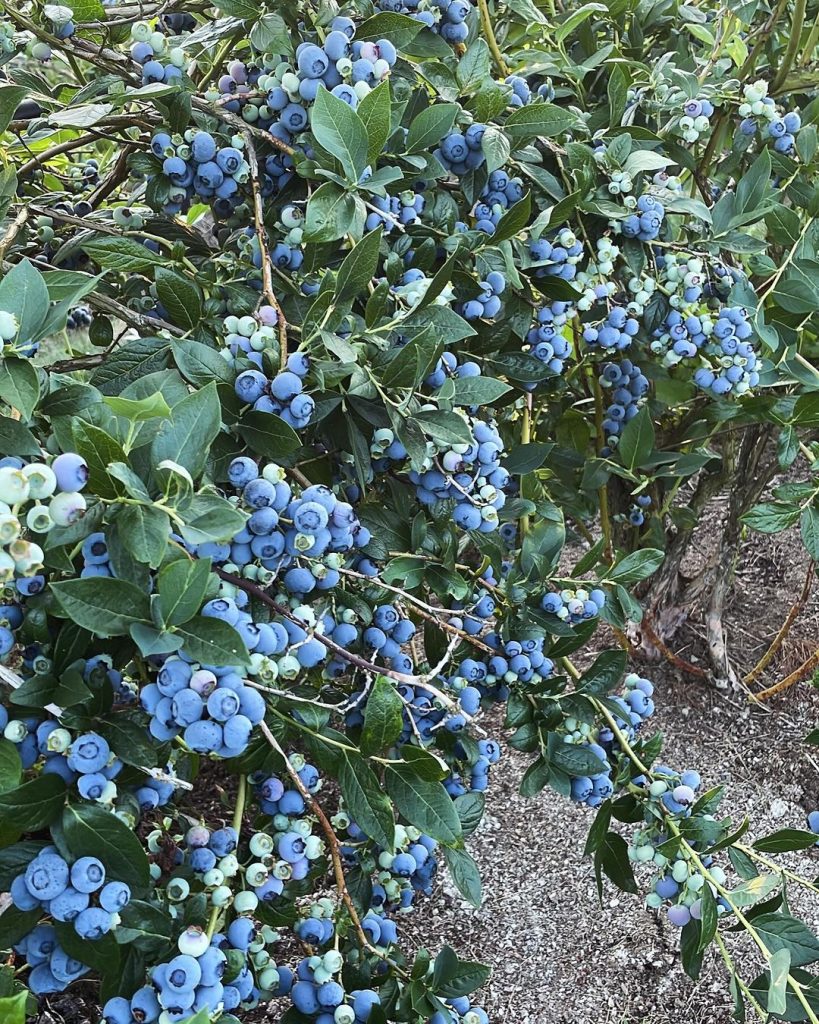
(365, 368)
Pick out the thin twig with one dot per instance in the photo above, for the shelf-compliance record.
(793, 613)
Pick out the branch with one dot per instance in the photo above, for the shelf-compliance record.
(790, 618)
(335, 850)
(267, 276)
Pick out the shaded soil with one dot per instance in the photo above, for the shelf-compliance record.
(558, 956)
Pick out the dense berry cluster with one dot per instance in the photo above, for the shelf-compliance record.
(759, 113)
(159, 62)
(546, 339)
(460, 152)
(487, 303)
(446, 17)
(574, 605)
(696, 119)
(500, 192)
(724, 342)
(628, 387)
(645, 224)
(557, 256)
(615, 333)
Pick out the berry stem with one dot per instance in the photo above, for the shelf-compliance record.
(794, 41)
(489, 33)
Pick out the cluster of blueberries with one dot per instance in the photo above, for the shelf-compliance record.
(545, 339)
(628, 386)
(325, 1001)
(461, 152)
(679, 883)
(499, 193)
(646, 223)
(283, 394)
(457, 784)
(197, 166)
(637, 511)
(399, 875)
(283, 527)
(79, 318)
(759, 113)
(636, 705)
(574, 605)
(725, 342)
(159, 61)
(471, 476)
(487, 303)
(615, 333)
(65, 891)
(696, 119)
(522, 92)
(446, 17)
(405, 208)
(514, 661)
(52, 969)
(214, 710)
(191, 981)
(557, 256)
(35, 497)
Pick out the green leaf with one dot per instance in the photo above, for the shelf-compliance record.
(398, 28)
(92, 831)
(201, 364)
(425, 804)
(368, 806)
(515, 219)
(99, 449)
(182, 587)
(122, 254)
(771, 517)
(612, 857)
(639, 565)
(338, 129)
(781, 931)
(453, 977)
(186, 438)
(637, 440)
(15, 439)
(14, 924)
(11, 767)
(330, 211)
(145, 530)
(526, 458)
(785, 840)
(375, 111)
(809, 528)
(576, 18)
(444, 427)
(605, 673)
(19, 385)
(473, 390)
(779, 966)
(129, 740)
(358, 267)
(269, 435)
(138, 410)
(24, 294)
(576, 761)
(464, 873)
(101, 604)
(211, 517)
(542, 119)
(212, 642)
(754, 183)
(41, 690)
(180, 296)
(32, 806)
(11, 96)
(383, 717)
(13, 1008)
(430, 126)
